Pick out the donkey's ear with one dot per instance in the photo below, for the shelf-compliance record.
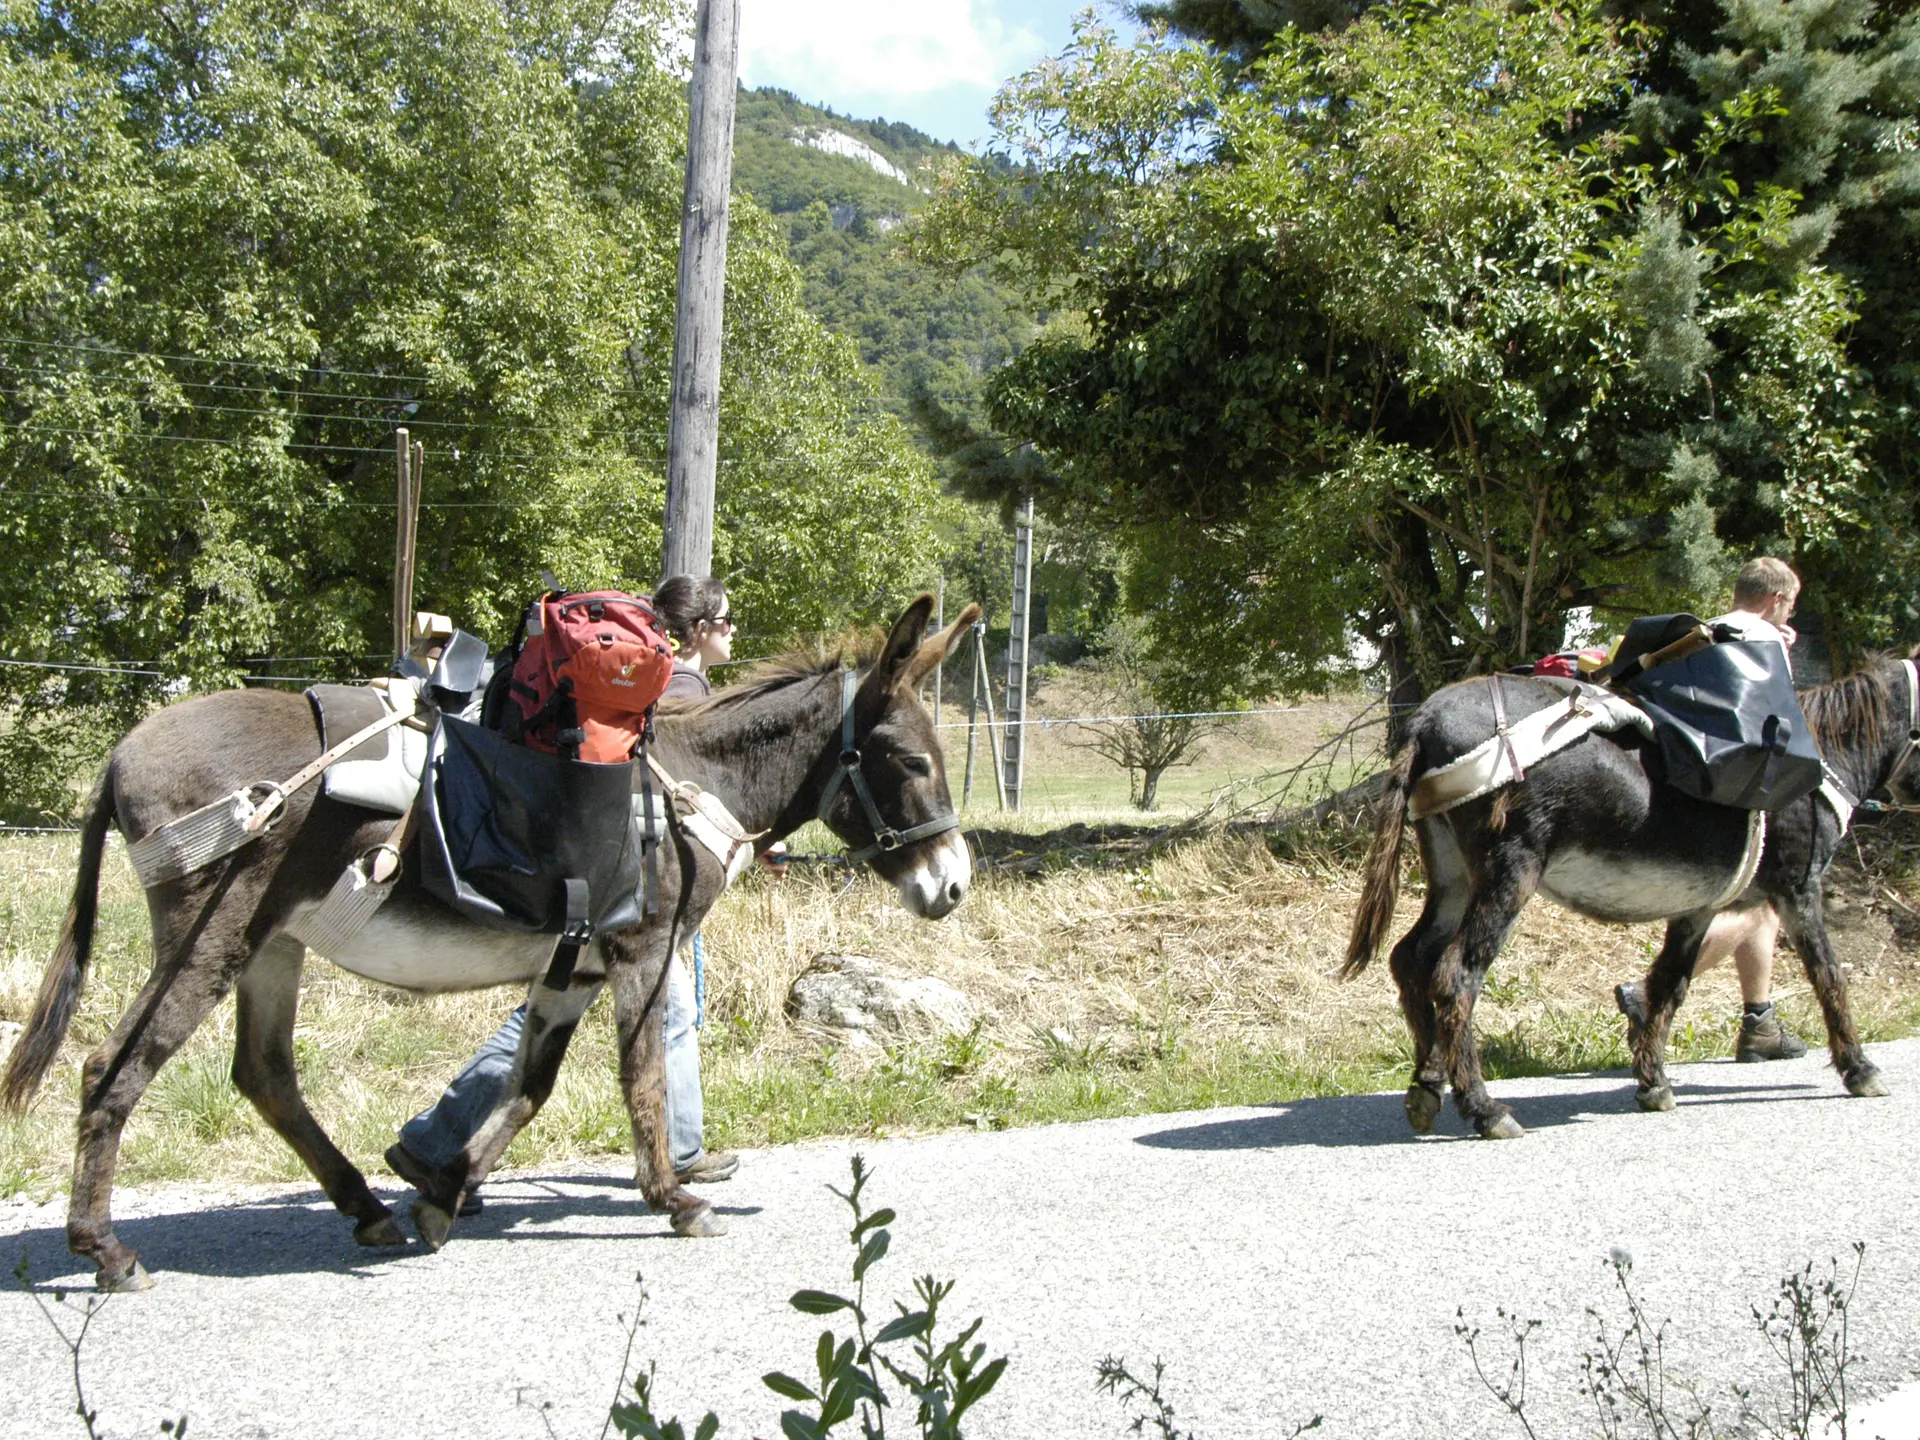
(937, 647)
(902, 643)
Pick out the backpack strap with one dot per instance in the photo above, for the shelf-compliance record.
(573, 939)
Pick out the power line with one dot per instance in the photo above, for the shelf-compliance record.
(247, 443)
(287, 368)
(297, 393)
(786, 463)
(92, 669)
(320, 503)
(410, 421)
(280, 368)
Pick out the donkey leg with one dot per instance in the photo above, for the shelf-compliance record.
(266, 1000)
(179, 994)
(639, 991)
(1806, 923)
(1508, 877)
(551, 1018)
(1666, 987)
(1413, 962)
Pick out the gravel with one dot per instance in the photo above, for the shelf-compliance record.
(1283, 1261)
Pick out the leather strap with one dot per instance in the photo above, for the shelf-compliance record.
(885, 837)
(573, 939)
(1503, 730)
(1882, 807)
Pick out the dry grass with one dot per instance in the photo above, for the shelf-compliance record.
(1198, 975)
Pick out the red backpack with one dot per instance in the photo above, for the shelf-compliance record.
(588, 670)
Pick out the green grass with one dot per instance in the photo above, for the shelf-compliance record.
(759, 1104)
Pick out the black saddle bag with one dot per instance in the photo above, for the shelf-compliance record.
(521, 840)
(1730, 726)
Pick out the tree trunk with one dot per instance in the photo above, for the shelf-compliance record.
(1405, 690)
(1149, 793)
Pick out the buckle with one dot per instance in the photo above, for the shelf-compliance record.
(887, 840)
(849, 759)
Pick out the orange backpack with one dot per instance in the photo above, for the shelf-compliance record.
(587, 671)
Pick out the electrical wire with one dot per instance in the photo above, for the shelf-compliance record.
(379, 400)
(281, 368)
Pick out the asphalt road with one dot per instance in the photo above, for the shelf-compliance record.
(1283, 1261)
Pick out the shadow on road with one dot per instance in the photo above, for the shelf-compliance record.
(1341, 1120)
(301, 1234)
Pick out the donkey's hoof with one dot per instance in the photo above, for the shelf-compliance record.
(698, 1222)
(1654, 1099)
(129, 1282)
(378, 1233)
(1423, 1108)
(431, 1224)
(1866, 1083)
(1502, 1127)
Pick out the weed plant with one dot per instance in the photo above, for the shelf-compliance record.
(901, 1366)
(1151, 1409)
(1628, 1378)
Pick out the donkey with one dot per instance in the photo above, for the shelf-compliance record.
(775, 750)
(1590, 827)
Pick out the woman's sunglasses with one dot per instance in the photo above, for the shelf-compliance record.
(726, 622)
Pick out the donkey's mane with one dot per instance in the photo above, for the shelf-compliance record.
(778, 673)
(1855, 710)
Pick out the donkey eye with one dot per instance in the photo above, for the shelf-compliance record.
(917, 763)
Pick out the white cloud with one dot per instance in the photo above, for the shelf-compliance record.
(825, 48)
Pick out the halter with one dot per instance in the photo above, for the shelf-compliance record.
(1837, 794)
(885, 837)
(1913, 737)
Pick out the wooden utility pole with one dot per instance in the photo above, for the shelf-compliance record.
(409, 460)
(1016, 747)
(693, 425)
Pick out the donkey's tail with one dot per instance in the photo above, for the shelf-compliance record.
(60, 987)
(1380, 888)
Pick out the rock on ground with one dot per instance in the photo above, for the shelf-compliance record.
(853, 999)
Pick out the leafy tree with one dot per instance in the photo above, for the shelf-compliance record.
(242, 240)
(1839, 85)
(1390, 332)
(1133, 678)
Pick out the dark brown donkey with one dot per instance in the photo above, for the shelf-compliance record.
(772, 749)
(1591, 828)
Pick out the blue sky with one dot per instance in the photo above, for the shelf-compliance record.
(933, 63)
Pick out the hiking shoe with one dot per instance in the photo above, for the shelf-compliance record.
(420, 1175)
(1631, 999)
(712, 1167)
(1765, 1037)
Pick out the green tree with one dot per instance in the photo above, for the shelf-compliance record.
(242, 240)
(1143, 687)
(1839, 82)
(1389, 336)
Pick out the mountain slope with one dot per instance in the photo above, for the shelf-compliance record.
(842, 187)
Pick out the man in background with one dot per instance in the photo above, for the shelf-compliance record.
(1764, 594)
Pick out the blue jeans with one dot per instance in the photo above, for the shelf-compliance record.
(438, 1134)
